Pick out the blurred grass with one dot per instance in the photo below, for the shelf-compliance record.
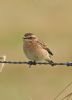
(52, 22)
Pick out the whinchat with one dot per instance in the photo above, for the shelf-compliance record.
(35, 49)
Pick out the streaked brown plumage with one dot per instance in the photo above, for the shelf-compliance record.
(35, 49)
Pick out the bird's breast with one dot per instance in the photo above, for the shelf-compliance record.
(30, 46)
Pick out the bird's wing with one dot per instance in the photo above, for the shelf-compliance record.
(44, 45)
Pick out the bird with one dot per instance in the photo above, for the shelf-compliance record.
(35, 49)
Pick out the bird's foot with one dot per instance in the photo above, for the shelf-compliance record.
(51, 63)
(31, 63)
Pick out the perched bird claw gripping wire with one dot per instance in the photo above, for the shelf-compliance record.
(31, 63)
(51, 63)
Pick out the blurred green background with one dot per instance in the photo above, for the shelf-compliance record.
(51, 20)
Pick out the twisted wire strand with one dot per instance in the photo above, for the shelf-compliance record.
(35, 63)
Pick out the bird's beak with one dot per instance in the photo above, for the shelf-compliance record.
(23, 38)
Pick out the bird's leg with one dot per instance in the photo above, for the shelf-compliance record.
(31, 63)
(34, 62)
(51, 62)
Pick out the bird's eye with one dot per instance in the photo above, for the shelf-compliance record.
(29, 37)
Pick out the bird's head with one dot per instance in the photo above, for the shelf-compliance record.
(29, 37)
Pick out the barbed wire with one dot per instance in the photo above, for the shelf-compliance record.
(36, 63)
(3, 61)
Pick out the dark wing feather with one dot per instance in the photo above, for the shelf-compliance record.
(49, 51)
(44, 45)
